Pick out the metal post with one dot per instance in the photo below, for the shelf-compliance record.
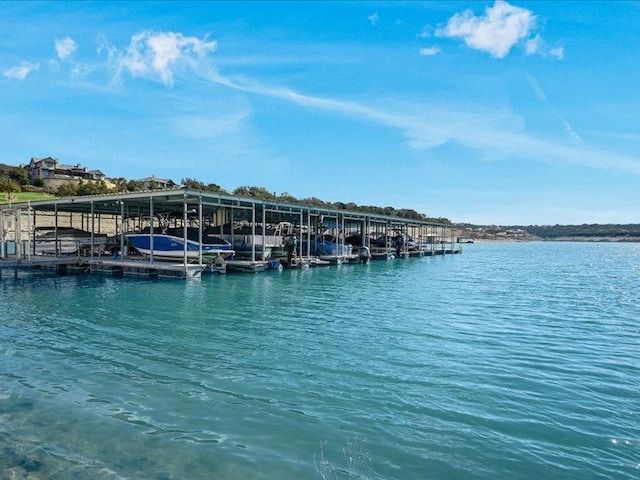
(184, 232)
(363, 231)
(232, 229)
(341, 236)
(308, 235)
(55, 231)
(200, 229)
(93, 224)
(406, 240)
(387, 245)
(299, 254)
(264, 232)
(121, 231)
(253, 232)
(2, 223)
(32, 229)
(18, 235)
(151, 222)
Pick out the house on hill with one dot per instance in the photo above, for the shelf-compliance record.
(155, 183)
(54, 174)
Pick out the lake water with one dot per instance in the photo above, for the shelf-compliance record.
(518, 361)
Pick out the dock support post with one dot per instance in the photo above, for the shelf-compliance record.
(300, 237)
(93, 225)
(253, 231)
(121, 231)
(151, 222)
(184, 233)
(33, 236)
(55, 230)
(308, 236)
(2, 223)
(341, 238)
(406, 241)
(200, 230)
(232, 229)
(18, 235)
(264, 230)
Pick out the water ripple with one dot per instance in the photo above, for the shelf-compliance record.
(515, 361)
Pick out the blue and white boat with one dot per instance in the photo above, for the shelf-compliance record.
(327, 245)
(170, 244)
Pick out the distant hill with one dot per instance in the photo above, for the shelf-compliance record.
(584, 232)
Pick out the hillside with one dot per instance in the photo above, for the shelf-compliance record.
(583, 233)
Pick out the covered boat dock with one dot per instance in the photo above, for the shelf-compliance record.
(90, 234)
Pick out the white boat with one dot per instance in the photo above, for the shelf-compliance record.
(248, 241)
(68, 241)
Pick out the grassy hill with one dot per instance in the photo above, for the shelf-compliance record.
(24, 197)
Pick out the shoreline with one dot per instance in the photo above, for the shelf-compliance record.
(558, 239)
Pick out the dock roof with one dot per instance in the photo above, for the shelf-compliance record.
(175, 201)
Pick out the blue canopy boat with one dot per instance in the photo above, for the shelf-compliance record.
(171, 244)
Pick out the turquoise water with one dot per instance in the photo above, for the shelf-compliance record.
(517, 361)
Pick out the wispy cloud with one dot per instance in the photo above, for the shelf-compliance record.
(496, 32)
(557, 52)
(491, 135)
(157, 55)
(20, 71)
(537, 89)
(572, 133)
(373, 18)
(425, 32)
(533, 45)
(429, 51)
(538, 45)
(65, 48)
(540, 95)
(213, 125)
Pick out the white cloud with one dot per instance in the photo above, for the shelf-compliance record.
(373, 18)
(20, 72)
(425, 32)
(429, 51)
(65, 48)
(557, 52)
(533, 45)
(501, 27)
(158, 55)
(537, 45)
(82, 69)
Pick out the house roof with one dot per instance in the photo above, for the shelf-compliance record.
(38, 160)
(157, 180)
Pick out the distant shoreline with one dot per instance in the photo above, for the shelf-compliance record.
(559, 239)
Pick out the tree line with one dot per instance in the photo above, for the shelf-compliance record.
(550, 232)
(261, 193)
(15, 179)
(583, 231)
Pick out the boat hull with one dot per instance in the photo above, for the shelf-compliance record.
(172, 247)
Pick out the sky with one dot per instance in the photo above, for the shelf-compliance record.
(505, 113)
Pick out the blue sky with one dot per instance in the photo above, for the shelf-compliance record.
(482, 112)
